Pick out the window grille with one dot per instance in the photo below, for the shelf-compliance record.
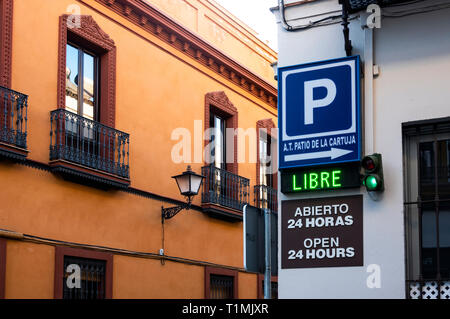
(92, 278)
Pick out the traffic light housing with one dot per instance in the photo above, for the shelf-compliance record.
(372, 179)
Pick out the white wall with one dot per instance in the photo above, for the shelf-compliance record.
(413, 55)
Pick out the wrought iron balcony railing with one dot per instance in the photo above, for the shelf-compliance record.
(428, 289)
(88, 143)
(224, 188)
(266, 197)
(13, 117)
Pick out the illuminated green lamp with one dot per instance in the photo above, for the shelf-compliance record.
(372, 182)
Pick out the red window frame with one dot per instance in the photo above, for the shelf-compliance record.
(221, 272)
(60, 252)
(2, 267)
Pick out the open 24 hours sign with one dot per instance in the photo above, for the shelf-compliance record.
(319, 113)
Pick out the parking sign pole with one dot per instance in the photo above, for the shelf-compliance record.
(267, 243)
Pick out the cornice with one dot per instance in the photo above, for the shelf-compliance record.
(239, 25)
(158, 24)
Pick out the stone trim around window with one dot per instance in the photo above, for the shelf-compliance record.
(89, 35)
(6, 25)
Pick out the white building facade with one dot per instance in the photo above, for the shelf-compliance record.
(404, 49)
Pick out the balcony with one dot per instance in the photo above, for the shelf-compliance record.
(13, 124)
(87, 151)
(266, 197)
(224, 194)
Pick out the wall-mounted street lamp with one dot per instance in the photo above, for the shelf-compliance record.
(189, 185)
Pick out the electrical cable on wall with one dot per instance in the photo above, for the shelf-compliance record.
(320, 22)
(405, 13)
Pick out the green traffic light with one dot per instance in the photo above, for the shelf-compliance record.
(372, 167)
(371, 183)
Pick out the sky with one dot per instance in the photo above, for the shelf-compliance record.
(256, 14)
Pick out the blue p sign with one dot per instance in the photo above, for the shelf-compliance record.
(319, 113)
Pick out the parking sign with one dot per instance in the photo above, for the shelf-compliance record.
(319, 113)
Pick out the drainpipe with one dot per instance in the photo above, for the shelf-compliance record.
(369, 113)
(268, 259)
(345, 23)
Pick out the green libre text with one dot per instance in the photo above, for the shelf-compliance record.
(316, 180)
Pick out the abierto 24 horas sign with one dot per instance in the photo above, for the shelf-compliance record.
(322, 232)
(319, 113)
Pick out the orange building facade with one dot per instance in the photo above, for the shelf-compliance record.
(86, 165)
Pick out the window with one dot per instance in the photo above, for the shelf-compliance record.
(273, 285)
(218, 139)
(87, 70)
(92, 278)
(82, 82)
(221, 287)
(267, 153)
(224, 192)
(82, 97)
(2, 267)
(220, 115)
(220, 283)
(266, 176)
(266, 190)
(427, 209)
(84, 144)
(82, 274)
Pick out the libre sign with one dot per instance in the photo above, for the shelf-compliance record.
(309, 179)
(325, 232)
(320, 113)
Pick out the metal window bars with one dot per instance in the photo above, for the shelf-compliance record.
(88, 143)
(428, 289)
(224, 188)
(92, 280)
(13, 117)
(428, 257)
(221, 287)
(266, 197)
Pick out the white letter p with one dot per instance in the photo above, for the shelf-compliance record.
(311, 104)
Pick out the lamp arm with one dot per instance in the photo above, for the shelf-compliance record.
(167, 213)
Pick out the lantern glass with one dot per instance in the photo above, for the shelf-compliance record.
(189, 183)
(183, 182)
(196, 182)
